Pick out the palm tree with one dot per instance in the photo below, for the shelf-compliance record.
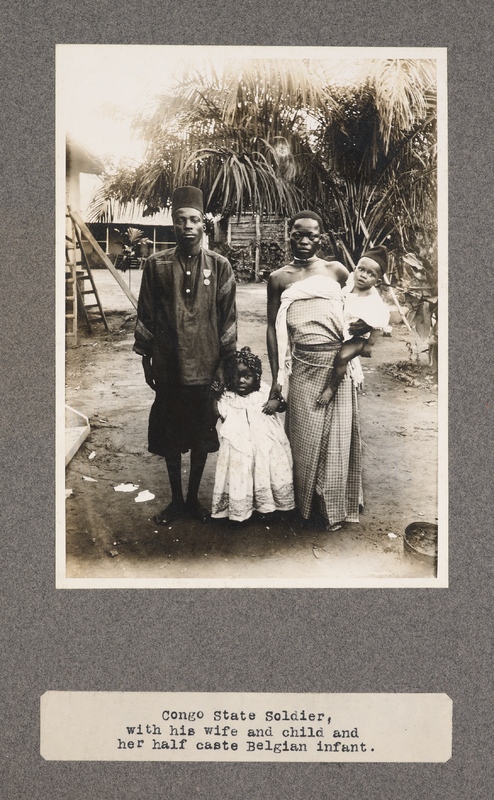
(271, 136)
(241, 135)
(378, 143)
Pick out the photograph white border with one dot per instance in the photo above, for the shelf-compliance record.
(441, 579)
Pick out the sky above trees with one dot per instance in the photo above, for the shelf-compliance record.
(349, 132)
(101, 87)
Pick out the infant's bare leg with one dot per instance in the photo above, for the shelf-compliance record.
(348, 351)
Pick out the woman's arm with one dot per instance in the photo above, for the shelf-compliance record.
(274, 301)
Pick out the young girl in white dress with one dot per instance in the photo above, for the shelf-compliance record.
(254, 467)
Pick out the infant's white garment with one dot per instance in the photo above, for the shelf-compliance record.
(372, 309)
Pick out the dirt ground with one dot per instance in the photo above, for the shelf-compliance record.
(110, 536)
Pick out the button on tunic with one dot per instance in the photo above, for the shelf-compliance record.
(186, 320)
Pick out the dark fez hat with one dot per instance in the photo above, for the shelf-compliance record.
(187, 197)
(378, 254)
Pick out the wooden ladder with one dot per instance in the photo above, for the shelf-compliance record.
(70, 286)
(84, 230)
(86, 286)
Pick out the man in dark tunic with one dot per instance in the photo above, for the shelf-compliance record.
(186, 332)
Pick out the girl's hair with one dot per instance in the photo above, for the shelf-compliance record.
(253, 362)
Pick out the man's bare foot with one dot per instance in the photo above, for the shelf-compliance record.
(173, 511)
(195, 510)
(326, 396)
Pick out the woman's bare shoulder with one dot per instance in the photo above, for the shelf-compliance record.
(287, 269)
(281, 277)
(338, 271)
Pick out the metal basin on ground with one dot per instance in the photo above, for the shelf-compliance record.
(421, 540)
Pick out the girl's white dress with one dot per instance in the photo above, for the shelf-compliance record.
(254, 467)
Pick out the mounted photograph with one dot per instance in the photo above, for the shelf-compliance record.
(252, 341)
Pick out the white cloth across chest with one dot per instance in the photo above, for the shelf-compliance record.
(322, 286)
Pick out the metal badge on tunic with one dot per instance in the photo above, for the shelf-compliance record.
(207, 273)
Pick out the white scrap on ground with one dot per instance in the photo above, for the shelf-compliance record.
(143, 496)
(68, 493)
(126, 487)
(93, 480)
(91, 456)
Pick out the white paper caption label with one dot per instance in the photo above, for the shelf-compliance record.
(183, 726)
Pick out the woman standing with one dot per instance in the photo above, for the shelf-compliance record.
(305, 317)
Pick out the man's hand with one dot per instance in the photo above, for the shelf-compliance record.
(148, 372)
(218, 382)
(359, 328)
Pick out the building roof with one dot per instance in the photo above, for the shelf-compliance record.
(81, 160)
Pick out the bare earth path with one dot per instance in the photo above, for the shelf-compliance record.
(109, 535)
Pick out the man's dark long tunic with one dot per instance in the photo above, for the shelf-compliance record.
(186, 322)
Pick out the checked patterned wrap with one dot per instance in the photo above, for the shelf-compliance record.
(325, 440)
